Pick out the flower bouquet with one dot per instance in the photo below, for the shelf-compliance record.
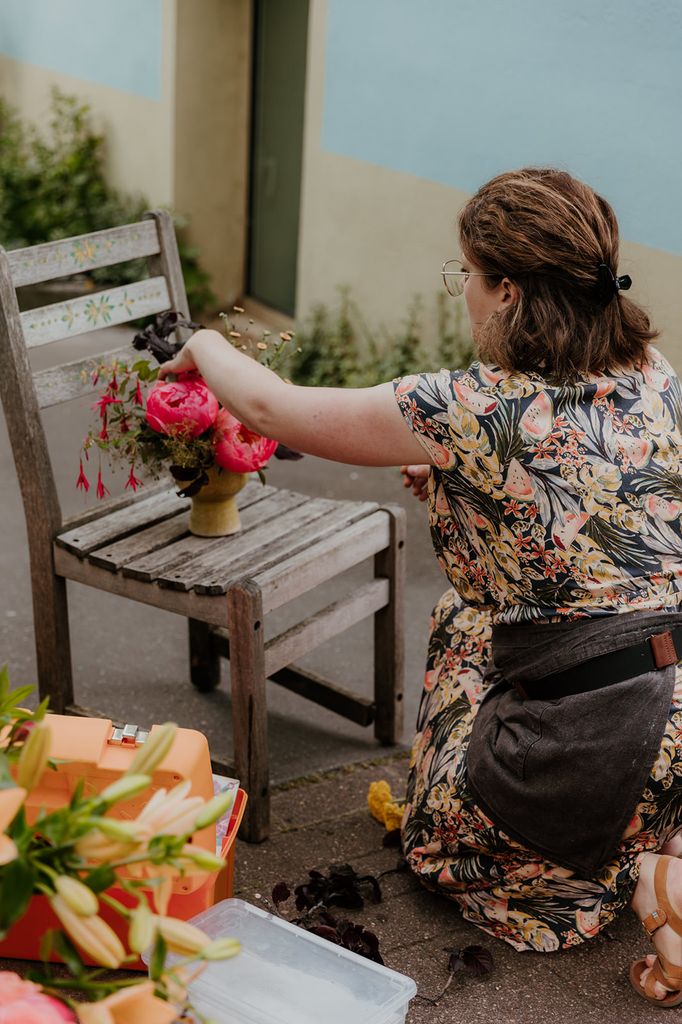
(180, 426)
(72, 856)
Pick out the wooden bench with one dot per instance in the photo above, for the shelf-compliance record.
(139, 546)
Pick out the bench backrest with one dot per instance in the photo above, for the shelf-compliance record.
(23, 393)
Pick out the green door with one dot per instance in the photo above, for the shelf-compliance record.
(280, 44)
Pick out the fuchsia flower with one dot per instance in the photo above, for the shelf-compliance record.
(82, 483)
(238, 448)
(184, 406)
(132, 480)
(102, 402)
(101, 489)
(23, 1002)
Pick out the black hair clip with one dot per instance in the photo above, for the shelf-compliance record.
(609, 285)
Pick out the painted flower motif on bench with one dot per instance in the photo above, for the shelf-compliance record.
(84, 252)
(101, 309)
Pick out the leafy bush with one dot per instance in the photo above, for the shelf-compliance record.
(53, 186)
(337, 348)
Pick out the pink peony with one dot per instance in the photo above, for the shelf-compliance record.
(238, 448)
(184, 406)
(22, 1002)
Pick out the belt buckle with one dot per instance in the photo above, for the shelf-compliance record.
(663, 649)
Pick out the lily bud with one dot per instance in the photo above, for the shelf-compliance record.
(34, 755)
(214, 809)
(203, 859)
(91, 934)
(154, 749)
(221, 949)
(127, 786)
(114, 828)
(77, 896)
(142, 929)
(99, 849)
(182, 937)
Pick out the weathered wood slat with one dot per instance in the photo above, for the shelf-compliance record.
(325, 693)
(317, 563)
(389, 634)
(177, 557)
(89, 313)
(159, 535)
(251, 550)
(143, 542)
(182, 602)
(276, 551)
(86, 538)
(73, 380)
(282, 650)
(105, 508)
(75, 255)
(249, 708)
(40, 499)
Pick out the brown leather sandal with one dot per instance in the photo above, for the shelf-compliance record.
(667, 974)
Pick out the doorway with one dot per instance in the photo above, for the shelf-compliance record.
(279, 54)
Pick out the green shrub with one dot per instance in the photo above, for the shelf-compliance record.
(53, 186)
(338, 349)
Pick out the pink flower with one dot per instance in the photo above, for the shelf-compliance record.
(82, 481)
(184, 406)
(103, 402)
(238, 448)
(132, 480)
(22, 1002)
(101, 489)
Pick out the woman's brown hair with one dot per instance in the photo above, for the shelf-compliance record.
(548, 233)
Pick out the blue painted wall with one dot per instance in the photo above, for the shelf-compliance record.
(110, 42)
(457, 90)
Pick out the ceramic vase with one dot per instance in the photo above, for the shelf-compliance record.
(214, 510)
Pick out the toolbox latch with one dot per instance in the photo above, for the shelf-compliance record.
(128, 736)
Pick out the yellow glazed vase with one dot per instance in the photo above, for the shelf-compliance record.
(214, 510)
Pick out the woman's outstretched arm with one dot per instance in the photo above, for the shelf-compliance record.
(359, 426)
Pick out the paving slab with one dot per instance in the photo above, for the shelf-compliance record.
(324, 820)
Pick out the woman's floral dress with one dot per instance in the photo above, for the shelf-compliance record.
(546, 503)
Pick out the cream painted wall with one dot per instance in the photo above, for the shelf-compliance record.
(139, 132)
(212, 123)
(385, 233)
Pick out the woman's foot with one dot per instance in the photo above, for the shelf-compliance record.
(645, 903)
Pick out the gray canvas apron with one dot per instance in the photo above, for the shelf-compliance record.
(564, 776)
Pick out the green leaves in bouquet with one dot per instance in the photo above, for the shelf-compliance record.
(16, 888)
(158, 958)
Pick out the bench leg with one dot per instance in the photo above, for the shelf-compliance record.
(249, 714)
(53, 643)
(389, 635)
(204, 660)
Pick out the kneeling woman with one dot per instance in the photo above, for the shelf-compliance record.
(545, 788)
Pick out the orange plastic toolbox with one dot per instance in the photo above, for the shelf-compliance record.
(92, 749)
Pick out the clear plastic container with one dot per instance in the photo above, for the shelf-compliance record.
(285, 975)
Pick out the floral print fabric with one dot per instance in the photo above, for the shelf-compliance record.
(500, 885)
(546, 503)
(554, 502)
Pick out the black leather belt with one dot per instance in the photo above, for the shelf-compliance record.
(650, 655)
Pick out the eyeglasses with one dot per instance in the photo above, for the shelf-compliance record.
(455, 277)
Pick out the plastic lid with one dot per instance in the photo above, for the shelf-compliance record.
(285, 975)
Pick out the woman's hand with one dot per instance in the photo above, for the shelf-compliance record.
(183, 362)
(417, 478)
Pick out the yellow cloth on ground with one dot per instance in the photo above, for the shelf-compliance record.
(382, 805)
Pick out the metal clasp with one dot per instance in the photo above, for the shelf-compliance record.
(128, 736)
